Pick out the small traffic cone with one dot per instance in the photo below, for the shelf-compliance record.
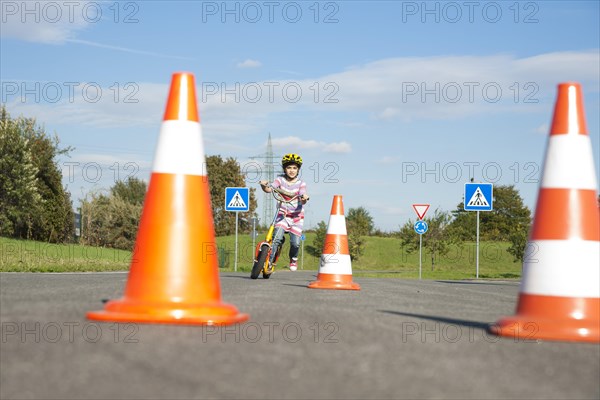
(335, 269)
(560, 290)
(174, 275)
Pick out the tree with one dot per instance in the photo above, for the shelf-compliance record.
(355, 241)
(360, 220)
(359, 223)
(518, 242)
(222, 174)
(112, 220)
(436, 240)
(317, 245)
(18, 181)
(356, 244)
(33, 202)
(509, 214)
(56, 221)
(132, 191)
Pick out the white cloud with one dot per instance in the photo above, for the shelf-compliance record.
(299, 143)
(125, 104)
(388, 113)
(388, 160)
(339, 147)
(59, 23)
(389, 89)
(249, 63)
(124, 49)
(45, 22)
(107, 159)
(294, 141)
(98, 172)
(449, 87)
(413, 88)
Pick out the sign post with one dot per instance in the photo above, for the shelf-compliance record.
(421, 227)
(254, 221)
(478, 197)
(302, 238)
(237, 199)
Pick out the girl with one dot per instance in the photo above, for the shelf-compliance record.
(290, 216)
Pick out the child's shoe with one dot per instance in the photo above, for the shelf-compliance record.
(293, 264)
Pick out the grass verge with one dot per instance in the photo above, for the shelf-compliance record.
(382, 257)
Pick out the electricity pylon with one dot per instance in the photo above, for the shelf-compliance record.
(269, 175)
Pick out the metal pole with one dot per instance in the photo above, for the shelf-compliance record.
(253, 233)
(302, 256)
(420, 244)
(236, 242)
(477, 248)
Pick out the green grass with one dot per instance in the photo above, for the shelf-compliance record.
(383, 257)
(307, 259)
(31, 256)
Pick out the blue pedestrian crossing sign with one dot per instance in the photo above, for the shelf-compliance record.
(479, 196)
(237, 199)
(421, 227)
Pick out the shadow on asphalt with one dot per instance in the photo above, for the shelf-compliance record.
(262, 279)
(462, 322)
(481, 283)
(238, 276)
(292, 284)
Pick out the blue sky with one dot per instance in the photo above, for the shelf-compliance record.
(389, 103)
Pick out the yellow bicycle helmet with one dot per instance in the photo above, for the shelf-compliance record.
(291, 158)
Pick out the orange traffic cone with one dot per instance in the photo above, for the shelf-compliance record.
(335, 269)
(174, 275)
(560, 290)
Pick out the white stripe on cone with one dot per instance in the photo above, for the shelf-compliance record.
(339, 264)
(337, 225)
(180, 149)
(567, 268)
(569, 163)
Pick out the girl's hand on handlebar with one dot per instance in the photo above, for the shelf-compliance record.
(265, 186)
(304, 198)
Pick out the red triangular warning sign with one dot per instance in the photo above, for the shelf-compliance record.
(421, 209)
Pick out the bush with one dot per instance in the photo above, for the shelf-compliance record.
(33, 202)
(112, 220)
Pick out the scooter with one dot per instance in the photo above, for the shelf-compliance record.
(262, 254)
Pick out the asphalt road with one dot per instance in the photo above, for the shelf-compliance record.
(393, 339)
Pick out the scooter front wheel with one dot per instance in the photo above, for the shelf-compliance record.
(260, 261)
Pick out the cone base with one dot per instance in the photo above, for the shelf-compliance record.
(527, 328)
(171, 313)
(331, 281)
(552, 318)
